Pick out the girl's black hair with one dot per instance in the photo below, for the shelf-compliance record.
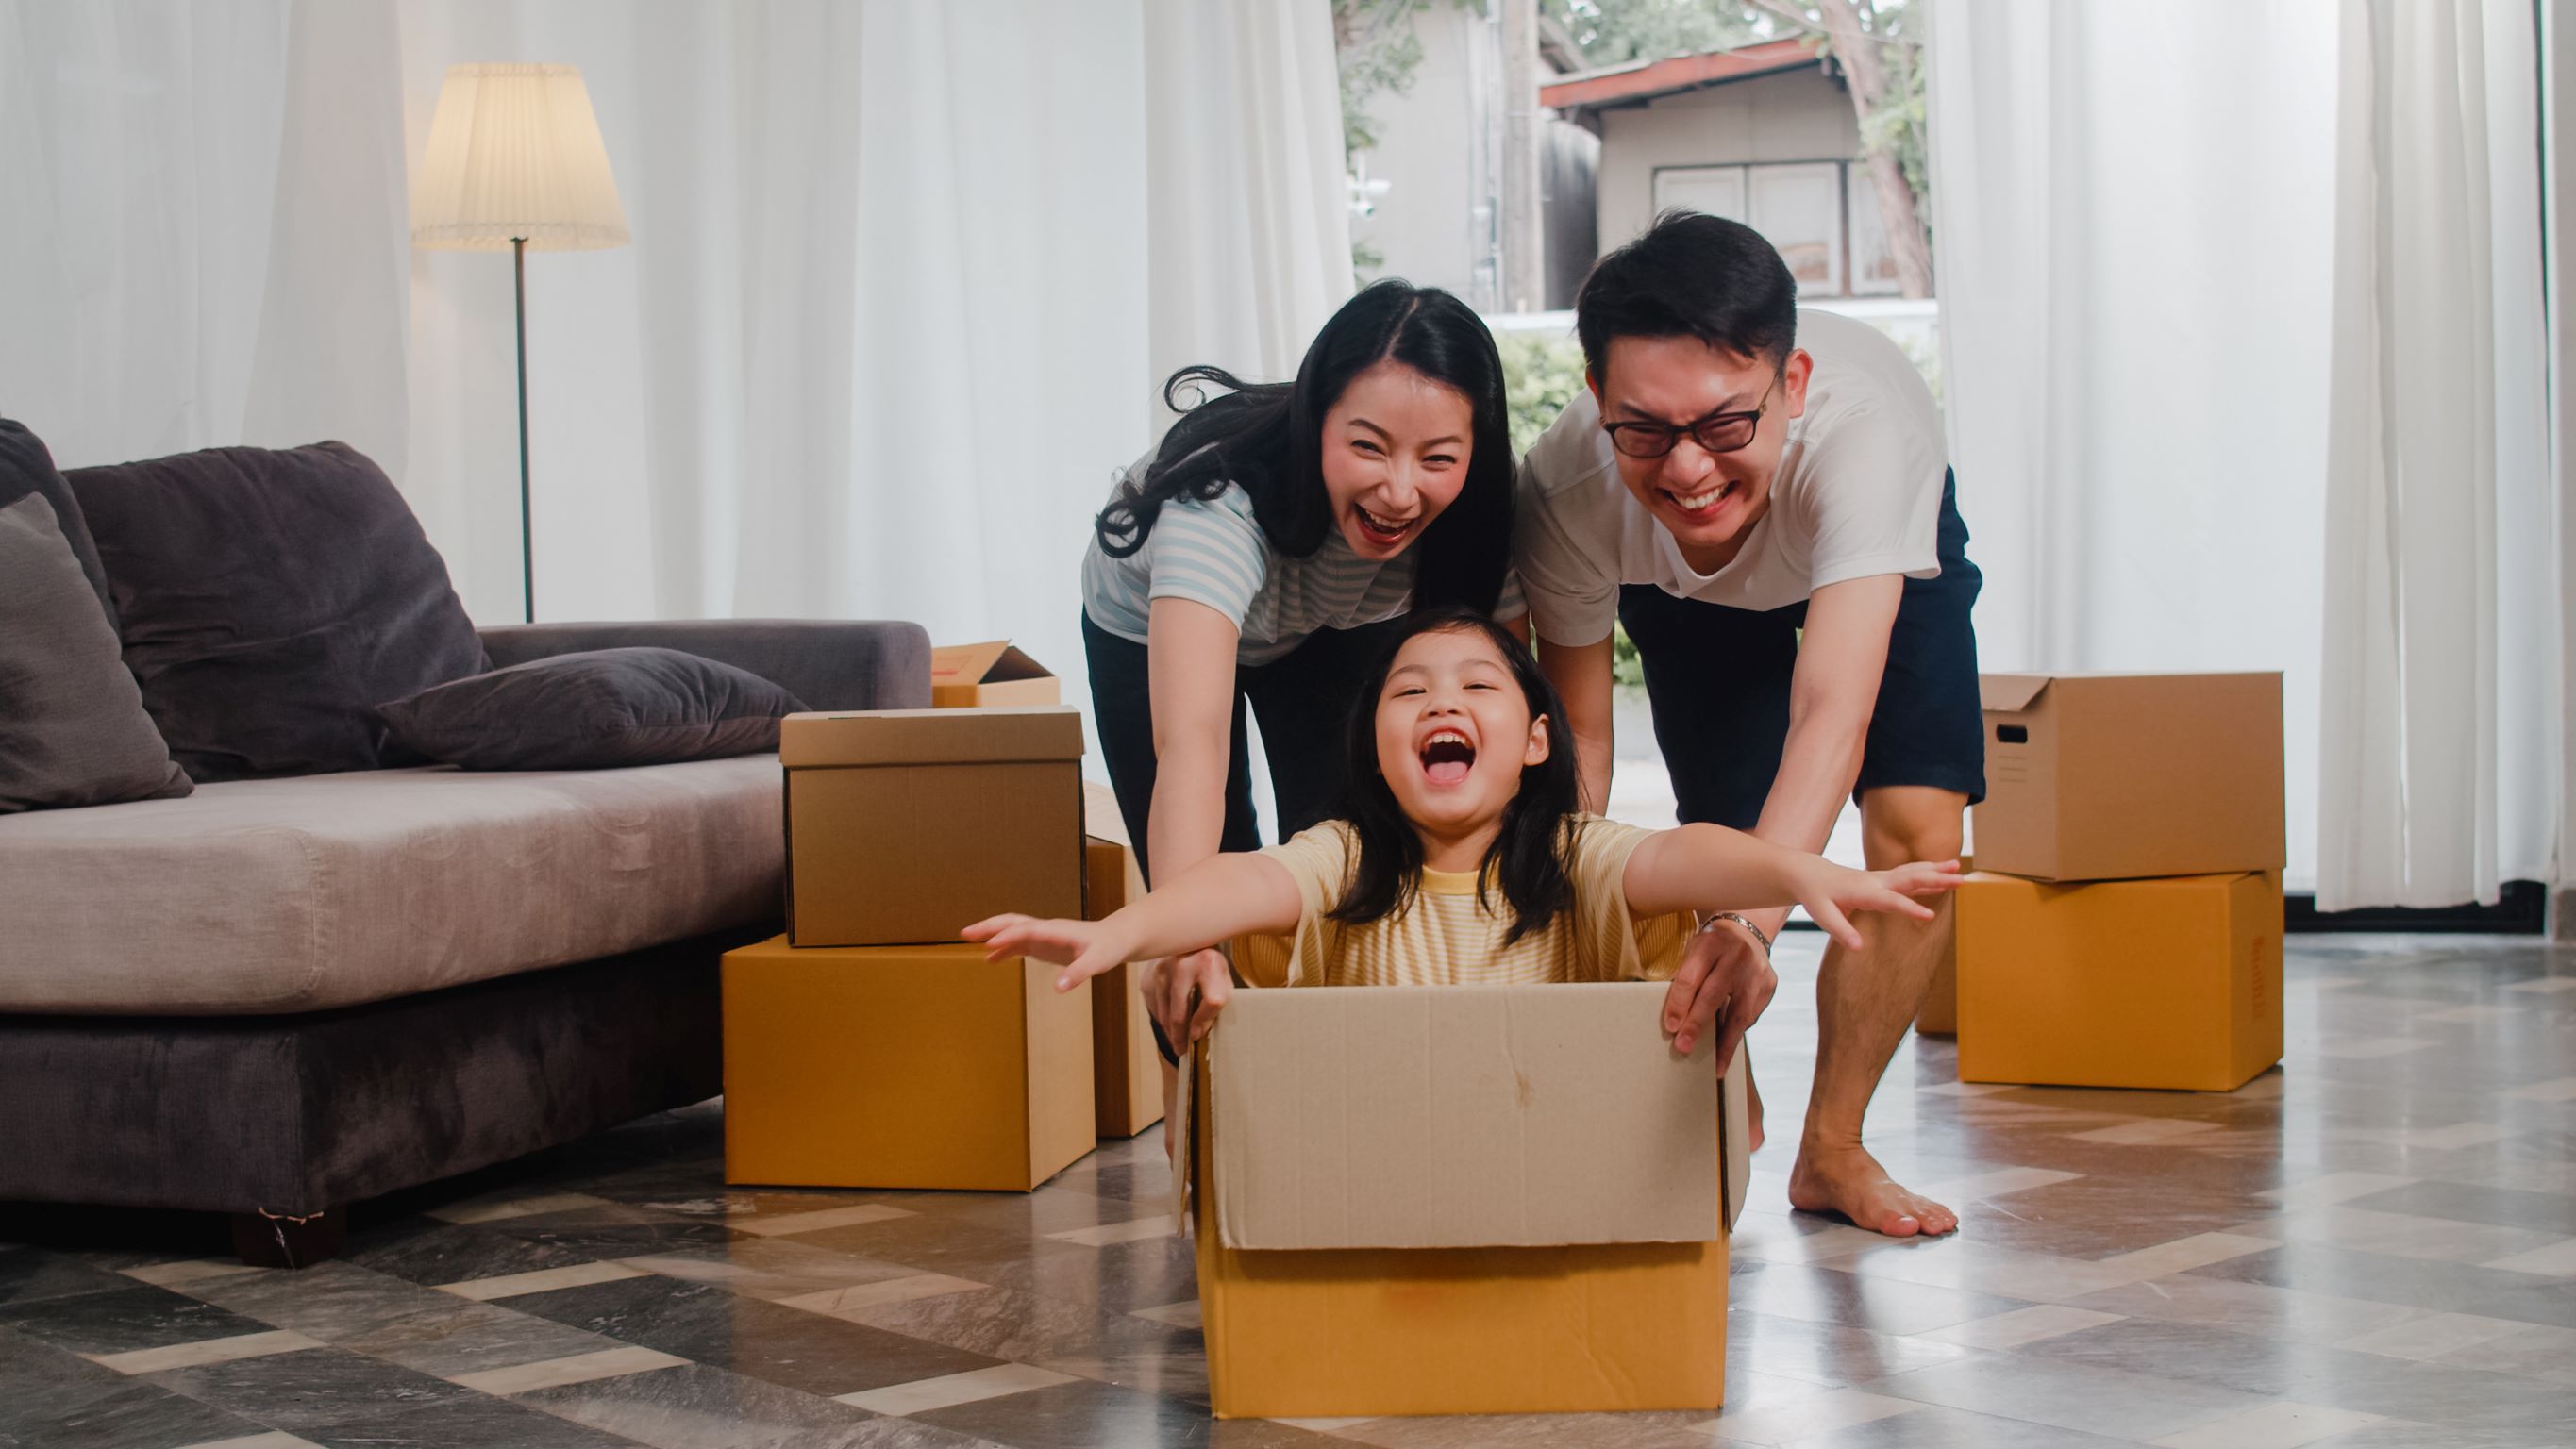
(1267, 439)
(1530, 859)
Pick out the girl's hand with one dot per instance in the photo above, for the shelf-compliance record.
(1083, 948)
(1828, 891)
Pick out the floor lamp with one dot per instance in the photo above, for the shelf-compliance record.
(515, 161)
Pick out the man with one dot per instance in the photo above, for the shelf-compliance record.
(1741, 472)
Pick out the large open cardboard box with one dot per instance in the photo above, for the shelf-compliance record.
(907, 826)
(2172, 983)
(995, 673)
(902, 1066)
(2122, 776)
(1461, 1200)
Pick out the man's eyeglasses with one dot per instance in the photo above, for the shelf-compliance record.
(1716, 433)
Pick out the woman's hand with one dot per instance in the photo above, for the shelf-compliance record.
(1830, 891)
(1083, 948)
(1170, 985)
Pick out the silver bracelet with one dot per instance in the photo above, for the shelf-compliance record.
(1711, 922)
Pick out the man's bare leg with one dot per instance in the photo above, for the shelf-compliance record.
(1864, 1002)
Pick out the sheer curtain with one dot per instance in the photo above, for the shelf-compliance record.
(2440, 747)
(903, 280)
(2134, 224)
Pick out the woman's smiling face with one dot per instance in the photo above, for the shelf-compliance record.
(1396, 447)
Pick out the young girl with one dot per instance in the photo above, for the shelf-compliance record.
(1460, 858)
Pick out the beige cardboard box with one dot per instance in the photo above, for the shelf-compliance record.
(2172, 983)
(1462, 1200)
(1127, 1073)
(979, 676)
(902, 1067)
(2124, 776)
(907, 826)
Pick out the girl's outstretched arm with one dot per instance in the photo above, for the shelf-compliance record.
(1220, 898)
(1709, 868)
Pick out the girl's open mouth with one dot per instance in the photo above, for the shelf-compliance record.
(1381, 529)
(1447, 757)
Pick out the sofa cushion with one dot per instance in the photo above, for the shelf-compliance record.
(594, 710)
(270, 600)
(294, 895)
(72, 727)
(26, 467)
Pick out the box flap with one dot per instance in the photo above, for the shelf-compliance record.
(1460, 1116)
(993, 661)
(929, 736)
(1735, 1092)
(2009, 693)
(965, 663)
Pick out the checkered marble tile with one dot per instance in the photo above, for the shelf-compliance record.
(2373, 1247)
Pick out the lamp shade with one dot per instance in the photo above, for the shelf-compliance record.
(514, 151)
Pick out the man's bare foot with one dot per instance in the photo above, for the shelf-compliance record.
(1849, 1181)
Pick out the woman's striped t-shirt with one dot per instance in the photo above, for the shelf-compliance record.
(1213, 552)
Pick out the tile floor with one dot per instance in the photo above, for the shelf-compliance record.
(2373, 1247)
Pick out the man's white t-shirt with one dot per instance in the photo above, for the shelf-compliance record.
(1857, 493)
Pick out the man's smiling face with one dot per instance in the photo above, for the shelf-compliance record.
(1707, 501)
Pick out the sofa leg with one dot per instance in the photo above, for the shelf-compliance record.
(276, 1240)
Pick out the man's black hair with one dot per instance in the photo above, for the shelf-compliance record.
(1691, 275)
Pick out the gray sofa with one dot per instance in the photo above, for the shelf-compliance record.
(276, 997)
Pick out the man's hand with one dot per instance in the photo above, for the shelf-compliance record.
(1725, 980)
(1186, 992)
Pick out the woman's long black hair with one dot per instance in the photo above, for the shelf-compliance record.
(1531, 857)
(1267, 439)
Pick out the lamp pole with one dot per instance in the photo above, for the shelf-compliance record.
(527, 537)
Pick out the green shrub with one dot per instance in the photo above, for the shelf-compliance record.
(1542, 371)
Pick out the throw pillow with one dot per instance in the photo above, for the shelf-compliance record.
(270, 600)
(25, 467)
(72, 726)
(596, 710)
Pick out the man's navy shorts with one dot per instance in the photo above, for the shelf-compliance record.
(1719, 681)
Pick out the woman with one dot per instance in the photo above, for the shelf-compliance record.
(1259, 555)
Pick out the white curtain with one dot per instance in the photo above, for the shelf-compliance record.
(2440, 744)
(904, 276)
(2133, 231)
(204, 235)
(2558, 102)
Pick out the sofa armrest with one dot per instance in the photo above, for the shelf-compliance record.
(827, 663)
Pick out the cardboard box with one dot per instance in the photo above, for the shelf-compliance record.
(1462, 1200)
(1127, 1071)
(907, 826)
(902, 1066)
(982, 676)
(2170, 983)
(2124, 776)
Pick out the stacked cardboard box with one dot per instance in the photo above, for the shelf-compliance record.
(869, 1047)
(2123, 928)
(1461, 1200)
